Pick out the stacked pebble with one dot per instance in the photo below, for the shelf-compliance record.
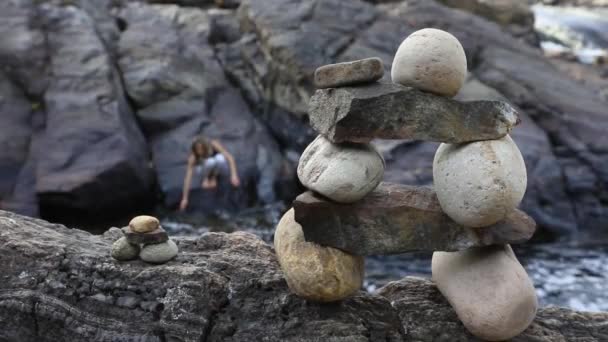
(477, 183)
(144, 237)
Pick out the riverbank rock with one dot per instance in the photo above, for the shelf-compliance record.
(144, 224)
(226, 286)
(349, 73)
(396, 219)
(478, 183)
(123, 250)
(399, 112)
(314, 272)
(489, 290)
(431, 60)
(159, 253)
(342, 172)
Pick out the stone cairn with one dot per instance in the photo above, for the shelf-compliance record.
(468, 220)
(144, 231)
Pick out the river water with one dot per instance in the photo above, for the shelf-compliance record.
(564, 274)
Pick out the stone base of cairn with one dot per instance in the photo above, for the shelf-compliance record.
(468, 220)
(146, 239)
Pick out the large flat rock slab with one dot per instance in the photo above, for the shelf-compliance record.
(397, 219)
(392, 111)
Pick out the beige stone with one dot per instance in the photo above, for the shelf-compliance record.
(431, 60)
(479, 183)
(344, 172)
(314, 272)
(489, 290)
(122, 250)
(144, 224)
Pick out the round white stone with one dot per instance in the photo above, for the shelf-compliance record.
(342, 172)
(489, 290)
(431, 60)
(159, 253)
(122, 250)
(479, 183)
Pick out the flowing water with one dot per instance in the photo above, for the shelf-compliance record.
(564, 274)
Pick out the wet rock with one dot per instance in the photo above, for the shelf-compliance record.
(431, 60)
(159, 253)
(123, 250)
(489, 290)
(342, 172)
(478, 183)
(398, 219)
(349, 73)
(215, 291)
(144, 224)
(392, 111)
(314, 272)
(156, 236)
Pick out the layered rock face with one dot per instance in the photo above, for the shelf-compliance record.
(61, 284)
(263, 66)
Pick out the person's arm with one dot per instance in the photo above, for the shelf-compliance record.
(187, 181)
(234, 175)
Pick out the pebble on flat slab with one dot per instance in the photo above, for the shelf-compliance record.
(144, 224)
(431, 60)
(349, 73)
(156, 236)
(159, 253)
(122, 250)
(312, 271)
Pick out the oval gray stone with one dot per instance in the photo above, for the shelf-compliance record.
(122, 250)
(349, 73)
(159, 253)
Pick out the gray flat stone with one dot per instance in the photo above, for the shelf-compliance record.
(156, 236)
(392, 111)
(397, 219)
(349, 73)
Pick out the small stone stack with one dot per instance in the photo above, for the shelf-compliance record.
(468, 220)
(146, 239)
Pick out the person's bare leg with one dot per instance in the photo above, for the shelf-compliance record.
(207, 182)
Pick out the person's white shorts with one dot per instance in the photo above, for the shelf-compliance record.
(211, 164)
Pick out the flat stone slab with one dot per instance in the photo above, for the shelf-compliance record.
(349, 73)
(397, 219)
(154, 237)
(393, 111)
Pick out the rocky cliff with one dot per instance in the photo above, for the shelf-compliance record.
(60, 284)
(100, 100)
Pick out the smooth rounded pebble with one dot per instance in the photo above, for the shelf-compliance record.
(479, 183)
(144, 224)
(489, 290)
(314, 272)
(431, 60)
(343, 172)
(122, 250)
(159, 253)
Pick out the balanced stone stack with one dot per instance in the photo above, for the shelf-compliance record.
(146, 239)
(468, 220)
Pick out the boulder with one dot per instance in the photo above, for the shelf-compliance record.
(123, 250)
(431, 60)
(349, 73)
(479, 183)
(392, 111)
(489, 290)
(399, 219)
(314, 272)
(159, 253)
(344, 173)
(60, 284)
